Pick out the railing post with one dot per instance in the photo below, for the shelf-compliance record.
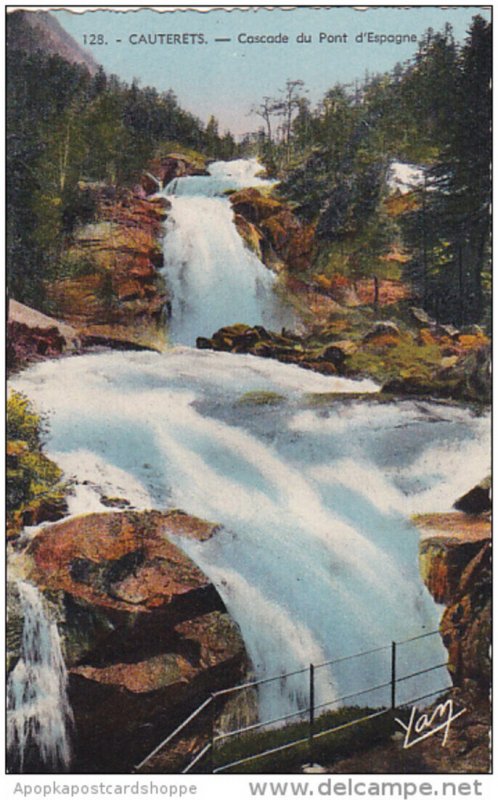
(212, 715)
(312, 715)
(393, 675)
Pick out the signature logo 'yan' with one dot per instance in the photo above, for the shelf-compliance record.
(422, 725)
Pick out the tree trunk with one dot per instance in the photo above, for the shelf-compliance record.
(376, 290)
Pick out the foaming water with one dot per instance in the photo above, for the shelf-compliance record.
(39, 716)
(214, 278)
(223, 176)
(317, 557)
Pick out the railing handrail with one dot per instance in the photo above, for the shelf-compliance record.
(282, 676)
(174, 733)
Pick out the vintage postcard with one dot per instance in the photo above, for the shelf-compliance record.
(248, 408)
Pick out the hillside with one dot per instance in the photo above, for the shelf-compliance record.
(39, 30)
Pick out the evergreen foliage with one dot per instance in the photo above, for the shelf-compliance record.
(434, 111)
(65, 126)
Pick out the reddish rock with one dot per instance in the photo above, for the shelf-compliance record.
(145, 634)
(455, 559)
(448, 544)
(281, 239)
(121, 284)
(32, 336)
(121, 561)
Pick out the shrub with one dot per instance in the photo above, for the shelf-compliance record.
(34, 490)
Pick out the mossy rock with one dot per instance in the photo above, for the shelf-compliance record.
(261, 398)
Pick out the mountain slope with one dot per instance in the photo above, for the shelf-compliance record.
(39, 30)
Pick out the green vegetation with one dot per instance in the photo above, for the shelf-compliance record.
(326, 748)
(334, 160)
(34, 487)
(195, 158)
(67, 130)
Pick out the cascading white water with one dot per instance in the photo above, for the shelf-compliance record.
(214, 278)
(317, 557)
(39, 716)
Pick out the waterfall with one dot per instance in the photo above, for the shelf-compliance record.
(39, 716)
(317, 557)
(214, 278)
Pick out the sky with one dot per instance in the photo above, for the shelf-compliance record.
(229, 78)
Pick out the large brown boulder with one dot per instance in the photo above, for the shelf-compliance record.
(32, 336)
(146, 636)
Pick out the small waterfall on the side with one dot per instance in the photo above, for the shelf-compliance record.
(215, 279)
(39, 716)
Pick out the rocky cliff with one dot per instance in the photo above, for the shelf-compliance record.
(455, 559)
(113, 287)
(146, 636)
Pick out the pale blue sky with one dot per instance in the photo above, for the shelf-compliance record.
(228, 78)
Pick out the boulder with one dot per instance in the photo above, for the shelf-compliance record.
(422, 317)
(477, 500)
(173, 165)
(32, 336)
(145, 634)
(272, 230)
(314, 352)
(382, 332)
(254, 206)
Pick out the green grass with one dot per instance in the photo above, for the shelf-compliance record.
(325, 748)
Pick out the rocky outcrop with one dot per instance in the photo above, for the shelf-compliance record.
(466, 624)
(272, 230)
(112, 285)
(477, 500)
(327, 357)
(32, 336)
(145, 634)
(460, 378)
(448, 543)
(14, 626)
(455, 565)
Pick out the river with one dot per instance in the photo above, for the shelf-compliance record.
(317, 557)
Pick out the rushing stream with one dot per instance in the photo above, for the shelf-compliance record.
(317, 557)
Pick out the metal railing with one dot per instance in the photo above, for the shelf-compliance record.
(228, 705)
